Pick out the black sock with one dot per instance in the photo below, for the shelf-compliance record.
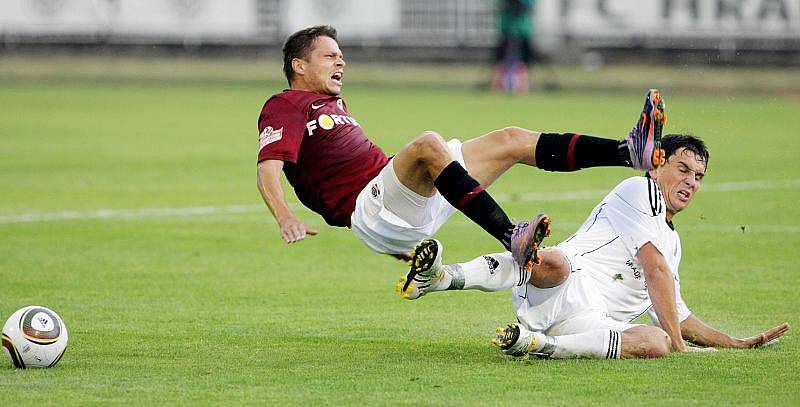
(572, 152)
(466, 194)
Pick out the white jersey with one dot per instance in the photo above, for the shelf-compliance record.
(606, 245)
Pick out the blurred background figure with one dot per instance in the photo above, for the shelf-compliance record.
(514, 53)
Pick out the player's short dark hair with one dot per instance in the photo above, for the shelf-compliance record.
(673, 142)
(299, 44)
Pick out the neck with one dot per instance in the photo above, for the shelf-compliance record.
(300, 84)
(300, 88)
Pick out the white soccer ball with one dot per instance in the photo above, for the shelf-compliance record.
(34, 336)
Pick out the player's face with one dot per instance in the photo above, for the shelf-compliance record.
(323, 70)
(679, 179)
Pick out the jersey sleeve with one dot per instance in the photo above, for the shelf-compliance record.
(634, 209)
(281, 126)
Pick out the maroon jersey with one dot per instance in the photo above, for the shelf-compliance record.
(327, 157)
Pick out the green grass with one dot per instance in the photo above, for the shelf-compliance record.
(214, 308)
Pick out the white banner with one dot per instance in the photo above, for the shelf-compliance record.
(179, 19)
(53, 17)
(187, 18)
(360, 19)
(670, 18)
(665, 23)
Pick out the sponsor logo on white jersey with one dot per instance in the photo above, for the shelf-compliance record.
(268, 136)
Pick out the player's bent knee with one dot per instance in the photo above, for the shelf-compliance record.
(430, 146)
(552, 271)
(657, 343)
(645, 342)
(431, 139)
(659, 348)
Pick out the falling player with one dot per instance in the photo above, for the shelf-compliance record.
(307, 133)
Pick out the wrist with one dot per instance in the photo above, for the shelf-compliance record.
(282, 218)
(736, 343)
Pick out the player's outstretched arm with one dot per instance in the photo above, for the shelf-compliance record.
(661, 288)
(697, 331)
(269, 184)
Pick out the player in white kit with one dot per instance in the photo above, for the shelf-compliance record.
(579, 299)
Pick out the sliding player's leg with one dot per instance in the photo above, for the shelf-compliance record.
(572, 320)
(491, 272)
(616, 340)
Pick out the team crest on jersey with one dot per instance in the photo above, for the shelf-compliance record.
(340, 104)
(375, 191)
(268, 136)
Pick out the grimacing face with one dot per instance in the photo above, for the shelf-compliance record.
(322, 70)
(679, 179)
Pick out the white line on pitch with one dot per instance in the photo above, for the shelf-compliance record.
(708, 227)
(235, 209)
(599, 193)
(131, 213)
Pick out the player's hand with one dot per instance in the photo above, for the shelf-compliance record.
(692, 349)
(293, 230)
(678, 346)
(766, 338)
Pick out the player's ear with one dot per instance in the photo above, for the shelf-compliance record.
(299, 66)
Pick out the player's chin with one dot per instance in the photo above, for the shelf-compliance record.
(679, 206)
(334, 88)
(681, 201)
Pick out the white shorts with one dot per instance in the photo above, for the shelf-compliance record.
(573, 307)
(412, 217)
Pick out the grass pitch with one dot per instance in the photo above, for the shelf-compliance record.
(130, 208)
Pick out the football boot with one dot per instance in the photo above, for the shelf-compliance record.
(526, 240)
(644, 140)
(426, 271)
(514, 340)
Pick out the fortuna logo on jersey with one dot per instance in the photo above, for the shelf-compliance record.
(326, 122)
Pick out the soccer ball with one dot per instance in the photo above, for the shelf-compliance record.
(34, 336)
